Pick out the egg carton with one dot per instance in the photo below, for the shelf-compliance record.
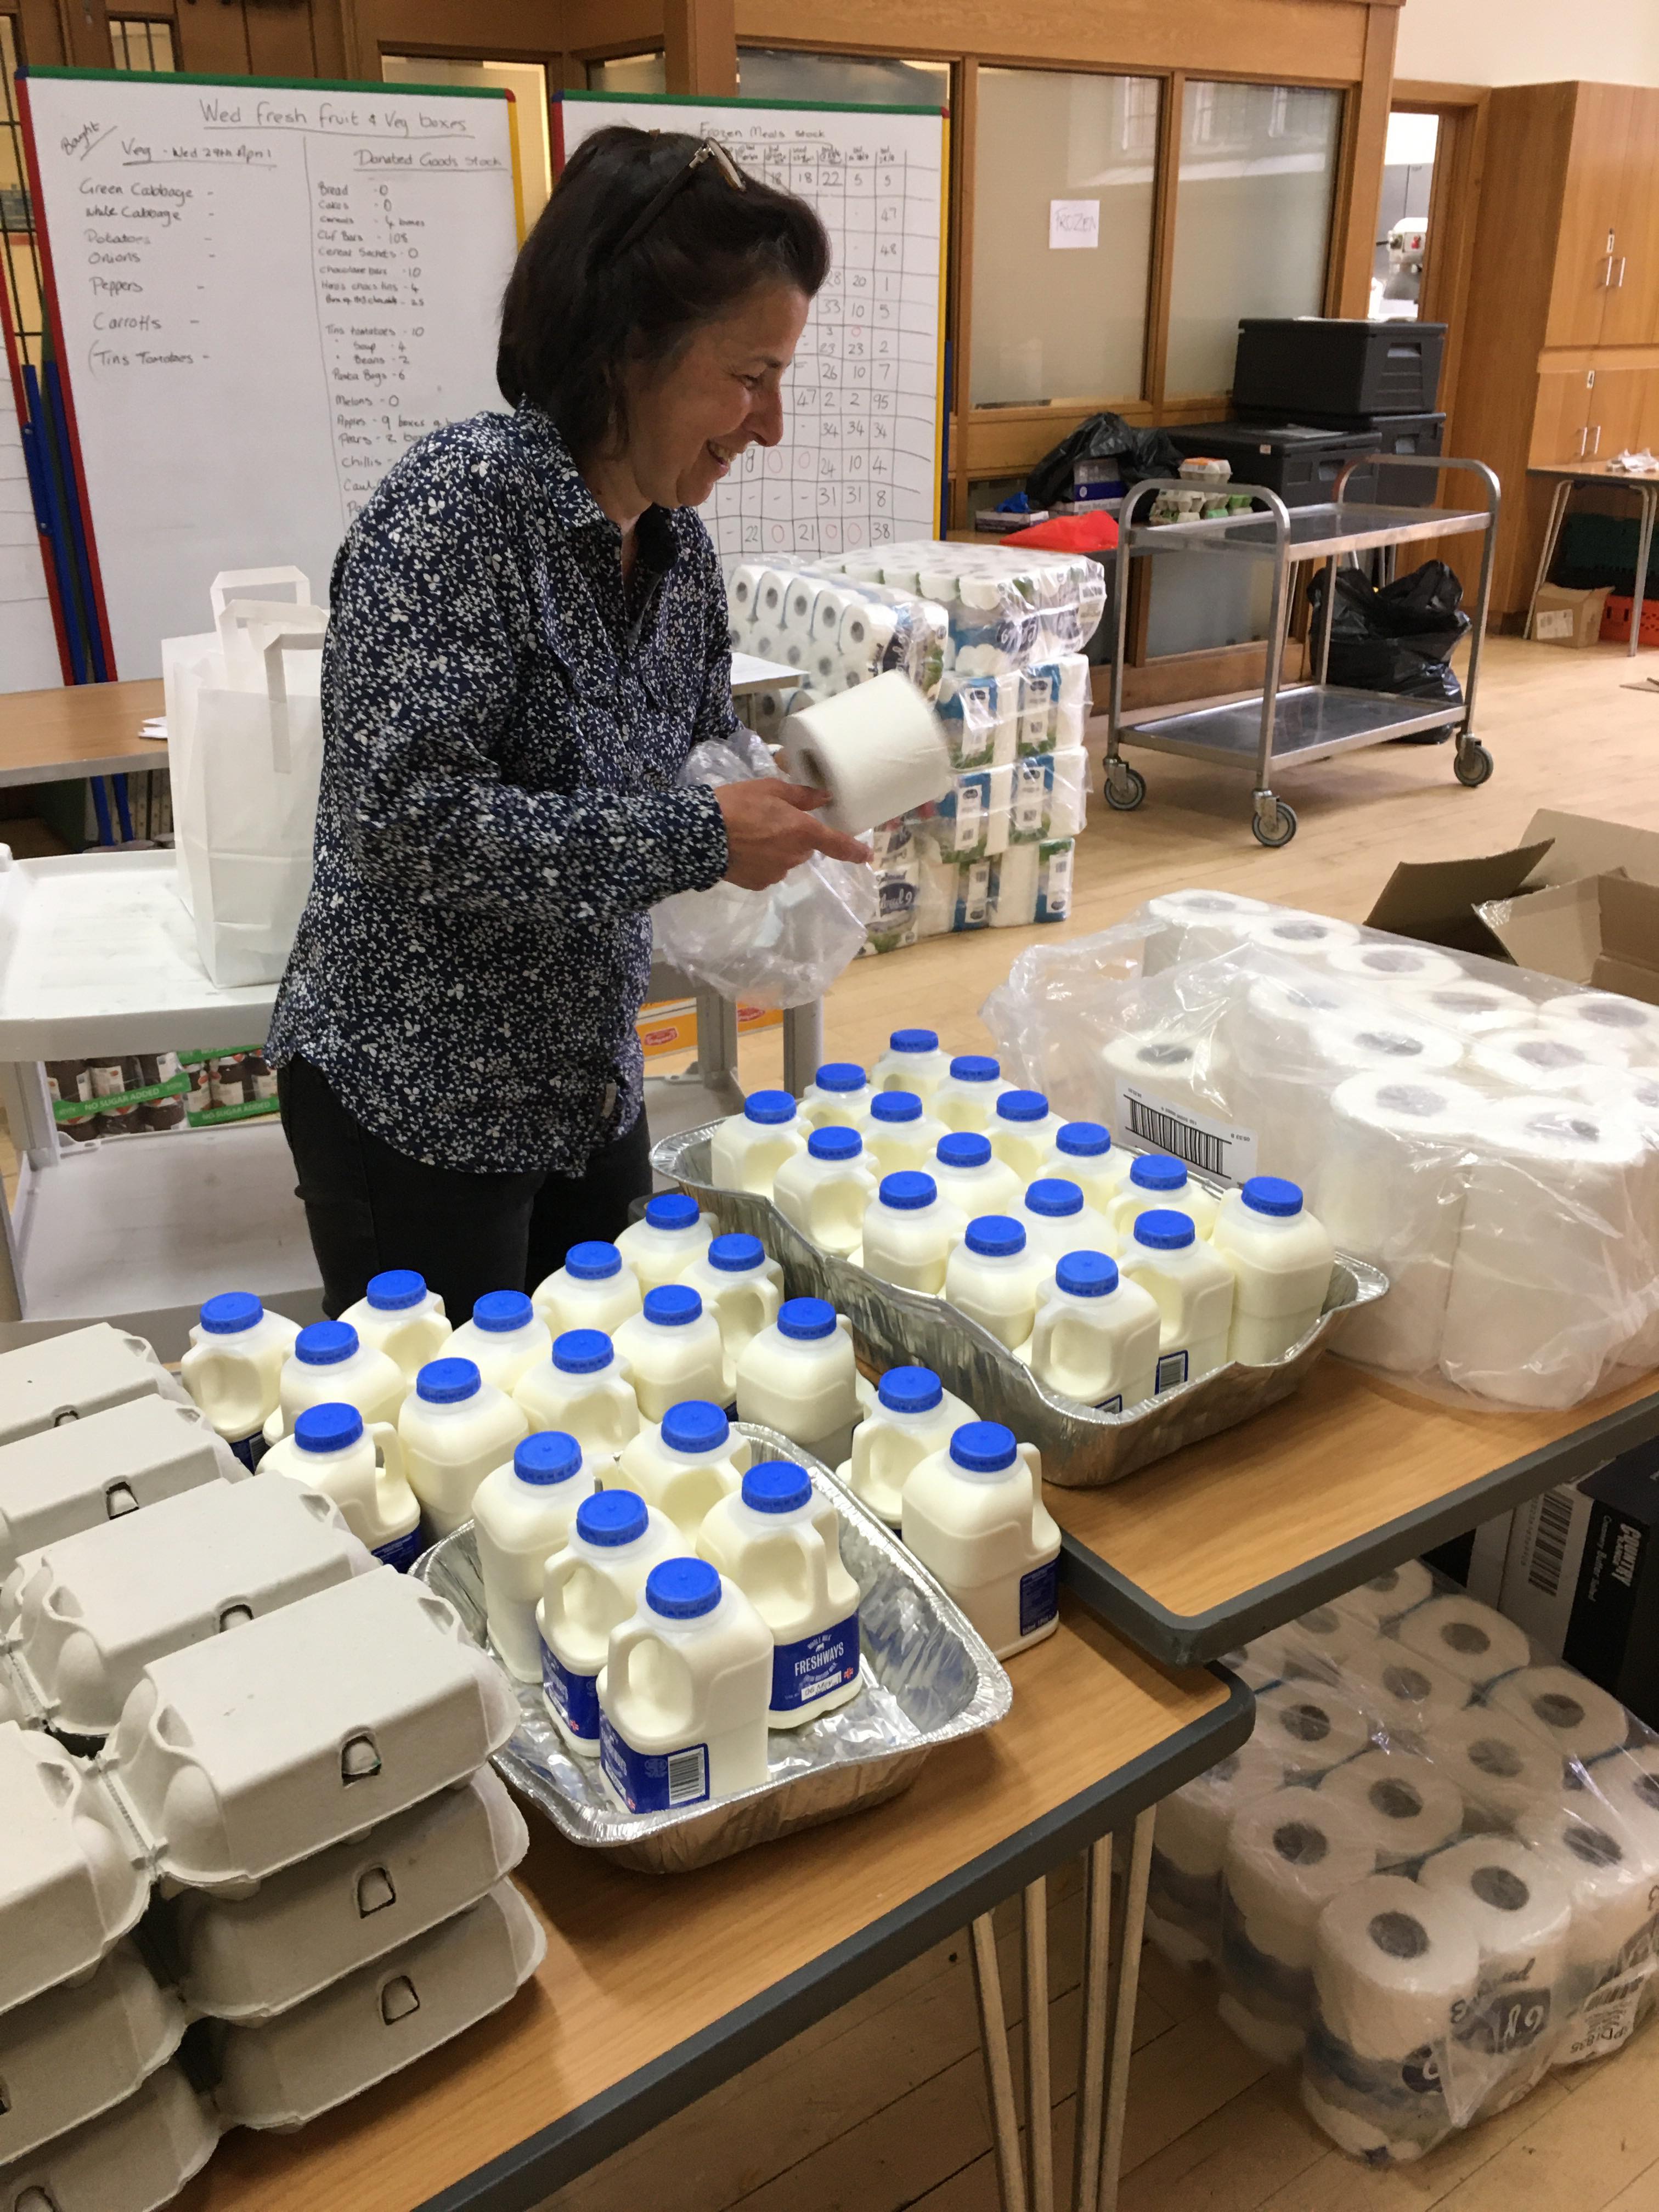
(61, 1480)
(65, 1378)
(71, 2054)
(71, 1883)
(135, 2157)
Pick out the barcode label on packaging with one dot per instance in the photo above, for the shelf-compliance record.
(1159, 1125)
(687, 1776)
(1552, 621)
(1549, 1547)
(652, 1782)
(1171, 1371)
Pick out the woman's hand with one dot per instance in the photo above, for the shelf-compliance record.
(770, 829)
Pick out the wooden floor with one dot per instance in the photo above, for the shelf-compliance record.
(883, 2105)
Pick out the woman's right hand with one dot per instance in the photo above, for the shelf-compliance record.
(770, 828)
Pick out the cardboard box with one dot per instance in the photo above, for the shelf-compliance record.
(671, 1025)
(1563, 617)
(1578, 899)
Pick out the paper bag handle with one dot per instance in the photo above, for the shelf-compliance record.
(299, 640)
(231, 583)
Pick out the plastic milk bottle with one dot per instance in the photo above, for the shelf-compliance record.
(1281, 1259)
(1022, 1131)
(661, 1246)
(747, 1149)
(1097, 1335)
(912, 1061)
(799, 1377)
(1056, 1220)
(671, 1351)
(825, 1192)
(1083, 1151)
(594, 1289)
(582, 1390)
(974, 1516)
(967, 1099)
(328, 1366)
(361, 1470)
(779, 1540)
(683, 1697)
(899, 1133)
(839, 1094)
(970, 1178)
(687, 1466)
(402, 1318)
(453, 1428)
(915, 1415)
(993, 1277)
(589, 1586)
(504, 1339)
(523, 1511)
(234, 1367)
(742, 1288)
(909, 1232)
(1159, 1180)
(1193, 1286)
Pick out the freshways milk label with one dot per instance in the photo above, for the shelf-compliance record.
(575, 1697)
(806, 1669)
(651, 1781)
(1039, 1597)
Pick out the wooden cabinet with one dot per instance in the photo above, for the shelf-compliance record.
(1605, 273)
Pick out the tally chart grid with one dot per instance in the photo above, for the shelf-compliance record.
(856, 465)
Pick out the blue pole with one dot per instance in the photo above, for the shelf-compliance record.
(77, 523)
(42, 482)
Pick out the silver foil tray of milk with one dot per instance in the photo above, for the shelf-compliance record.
(1082, 1448)
(927, 1679)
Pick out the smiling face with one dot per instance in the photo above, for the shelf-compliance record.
(690, 417)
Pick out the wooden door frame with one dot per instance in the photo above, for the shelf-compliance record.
(1454, 207)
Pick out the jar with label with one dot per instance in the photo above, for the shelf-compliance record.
(747, 1149)
(909, 1233)
(824, 1192)
(742, 1288)
(912, 1061)
(1193, 1287)
(900, 1135)
(779, 1540)
(838, 1095)
(453, 1428)
(229, 1086)
(232, 1368)
(993, 1278)
(328, 1366)
(799, 1377)
(1056, 1221)
(1083, 1151)
(671, 1351)
(913, 1416)
(589, 1587)
(1097, 1335)
(504, 1339)
(687, 1465)
(1281, 1258)
(971, 1178)
(663, 1244)
(523, 1512)
(683, 1697)
(595, 1289)
(974, 1516)
(1022, 1132)
(581, 1388)
(967, 1099)
(400, 1316)
(1159, 1180)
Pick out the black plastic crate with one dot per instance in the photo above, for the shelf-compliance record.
(1395, 434)
(1298, 365)
(1299, 462)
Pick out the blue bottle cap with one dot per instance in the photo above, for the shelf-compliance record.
(841, 1075)
(674, 1305)
(769, 1108)
(446, 1382)
(326, 1343)
(547, 1456)
(909, 1389)
(962, 1148)
(231, 1312)
(1022, 1106)
(806, 1319)
(834, 1143)
(611, 1517)
(973, 1067)
(696, 1426)
(983, 1447)
(995, 1235)
(908, 1189)
(682, 1589)
(1273, 1195)
(673, 1210)
(1158, 1171)
(1053, 1198)
(582, 1351)
(503, 1311)
(327, 1428)
(397, 1288)
(1085, 1141)
(1086, 1274)
(914, 1040)
(1163, 1229)
(777, 1486)
(895, 1106)
(593, 1262)
(736, 1252)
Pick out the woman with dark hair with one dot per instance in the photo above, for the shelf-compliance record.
(528, 635)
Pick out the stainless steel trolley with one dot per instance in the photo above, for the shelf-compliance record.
(1295, 723)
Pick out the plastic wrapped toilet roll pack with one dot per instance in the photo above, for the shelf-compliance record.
(1006, 605)
(1429, 1875)
(1487, 1138)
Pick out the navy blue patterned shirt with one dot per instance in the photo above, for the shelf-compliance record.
(504, 722)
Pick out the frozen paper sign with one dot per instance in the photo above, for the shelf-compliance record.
(1073, 223)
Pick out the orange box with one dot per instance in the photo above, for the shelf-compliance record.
(672, 1026)
(1615, 620)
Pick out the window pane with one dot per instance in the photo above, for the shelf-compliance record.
(1253, 214)
(526, 80)
(765, 73)
(136, 44)
(1053, 322)
(633, 73)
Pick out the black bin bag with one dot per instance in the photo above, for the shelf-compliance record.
(1398, 636)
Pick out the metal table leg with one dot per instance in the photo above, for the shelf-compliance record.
(803, 1045)
(1650, 499)
(1092, 2058)
(1558, 500)
(1124, 2024)
(998, 2070)
(1039, 2100)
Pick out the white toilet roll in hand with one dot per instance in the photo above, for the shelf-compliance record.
(1309, 1728)
(1466, 1637)
(1405, 1805)
(1503, 1769)
(877, 750)
(1576, 1718)
(1385, 1596)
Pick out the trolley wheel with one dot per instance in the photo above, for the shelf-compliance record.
(1472, 764)
(1126, 787)
(1275, 828)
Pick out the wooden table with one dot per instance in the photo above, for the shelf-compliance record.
(656, 1989)
(1231, 1537)
(80, 729)
(1572, 476)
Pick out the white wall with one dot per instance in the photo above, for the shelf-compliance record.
(1529, 41)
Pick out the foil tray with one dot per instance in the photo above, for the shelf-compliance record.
(929, 1678)
(1082, 1448)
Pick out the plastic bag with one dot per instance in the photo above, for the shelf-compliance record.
(1399, 637)
(1141, 454)
(781, 947)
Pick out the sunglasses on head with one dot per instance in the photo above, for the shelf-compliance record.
(708, 151)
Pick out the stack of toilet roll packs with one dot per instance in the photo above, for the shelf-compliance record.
(1431, 1875)
(1485, 1136)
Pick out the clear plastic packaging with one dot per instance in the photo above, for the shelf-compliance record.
(1005, 604)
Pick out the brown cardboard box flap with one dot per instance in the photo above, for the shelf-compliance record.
(1582, 846)
(1437, 900)
(1601, 930)
(1628, 959)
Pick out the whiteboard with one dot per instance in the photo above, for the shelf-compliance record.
(859, 463)
(261, 293)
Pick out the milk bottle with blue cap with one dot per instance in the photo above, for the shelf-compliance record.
(671, 1351)
(401, 1317)
(595, 1289)
(799, 1377)
(687, 1465)
(683, 1697)
(1281, 1258)
(914, 1415)
(581, 1388)
(329, 1366)
(504, 1339)
(1193, 1286)
(838, 1095)
(663, 1242)
(912, 1061)
(234, 1368)
(967, 1099)
(1083, 1151)
(1159, 1180)
(747, 1149)
(588, 1588)
(971, 1177)
(453, 1428)
(1056, 1221)
(523, 1512)
(909, 1233)
(993, 1278)
(974, 1516)
(900, 1133)
(1096, 1334)
(1022, 1132)
(742, 1288)
(825, 1191)
(361, 1469)
(779, 1540)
